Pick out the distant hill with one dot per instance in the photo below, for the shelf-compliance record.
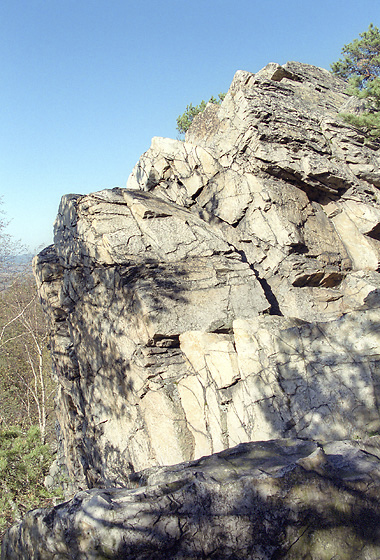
(16, 265)
(22, 259)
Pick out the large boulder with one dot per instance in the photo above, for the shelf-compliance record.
(127, 276)
(287, 498)
(160, 325)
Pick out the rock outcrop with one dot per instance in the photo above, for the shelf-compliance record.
(229, 294)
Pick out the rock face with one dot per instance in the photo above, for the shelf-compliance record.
(258, 501)
(229, 294)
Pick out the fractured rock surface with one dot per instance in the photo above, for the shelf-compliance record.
(139, 273)
(258, 501)
(286, 180)
(229, 294)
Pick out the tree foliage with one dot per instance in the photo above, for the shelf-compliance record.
(26, 386)
(360, 66)
(184, 121)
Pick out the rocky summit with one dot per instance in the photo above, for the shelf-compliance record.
(215, 339)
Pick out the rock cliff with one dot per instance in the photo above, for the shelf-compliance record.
(229, 294)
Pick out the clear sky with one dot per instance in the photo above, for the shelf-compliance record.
(86, 84)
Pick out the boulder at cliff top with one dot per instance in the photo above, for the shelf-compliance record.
(133, 273)
(290, 184)
(229, 294)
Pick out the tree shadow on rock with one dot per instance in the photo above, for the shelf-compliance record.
(264, 500)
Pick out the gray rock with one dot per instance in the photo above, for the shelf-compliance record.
(155, 293)
(136, 272)
(229, 294)
(284, 178)
(354, 106)
(287, 498)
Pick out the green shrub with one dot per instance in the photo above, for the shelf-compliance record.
(24, 463)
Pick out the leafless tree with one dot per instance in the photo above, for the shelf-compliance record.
(26, 386)
(10, 250)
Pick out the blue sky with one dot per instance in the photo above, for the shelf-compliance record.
(85, 85)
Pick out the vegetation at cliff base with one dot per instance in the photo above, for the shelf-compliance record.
(26, 387)
(184, 121)
(24, 462)
(360, 66)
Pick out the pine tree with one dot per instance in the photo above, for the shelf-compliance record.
(184, 121)
(360, 66)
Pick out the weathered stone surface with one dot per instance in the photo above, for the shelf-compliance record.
(230, 293)
(277, 377)
(159, 294)
(288, 499)
(290, 183)
(310, 380)
(132, 274)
